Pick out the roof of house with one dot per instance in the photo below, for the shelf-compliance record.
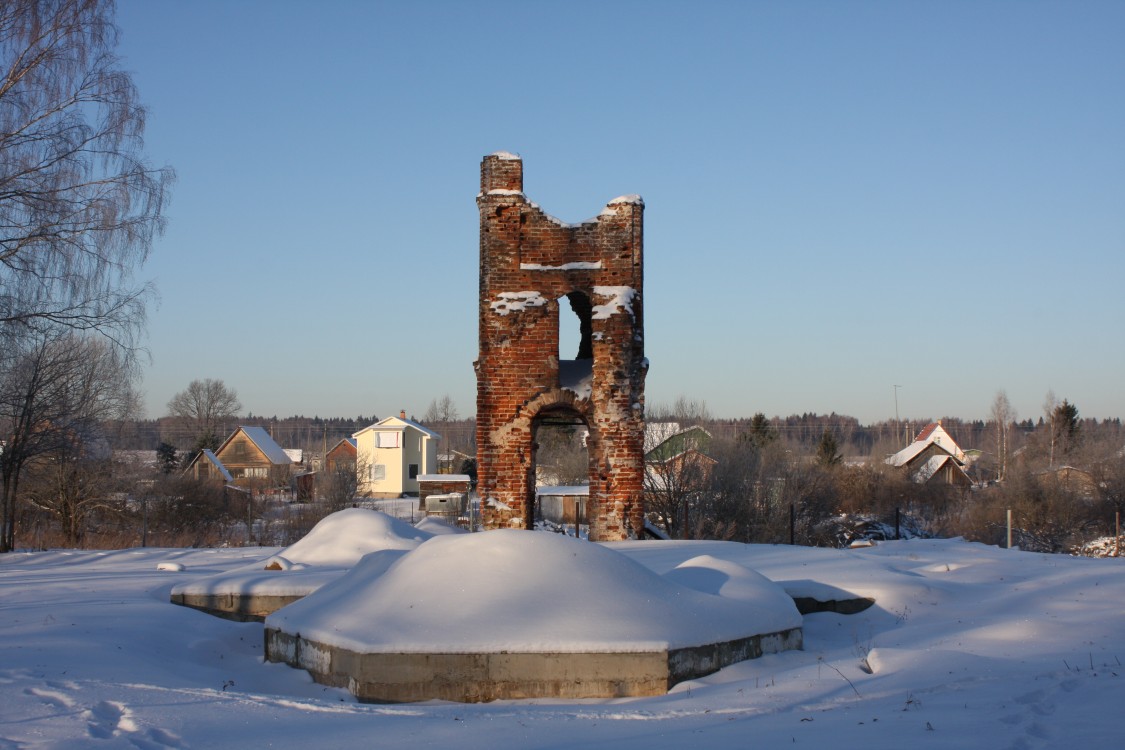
(398, 423)
(693, 438)
(657, 432)
(936, 463)
(262, 440)
(931, 466)
(444, 478)
(349, 441)
(932, 434)
(910, 452)
(209, 455)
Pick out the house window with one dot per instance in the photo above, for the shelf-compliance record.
(386, 439)
(378, 472)
(255, 472)
(413, 471)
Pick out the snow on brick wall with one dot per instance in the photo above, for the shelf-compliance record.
(530, 264)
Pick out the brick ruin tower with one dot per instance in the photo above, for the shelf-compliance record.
(530, 263)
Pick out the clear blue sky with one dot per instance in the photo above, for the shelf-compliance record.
(840, 197)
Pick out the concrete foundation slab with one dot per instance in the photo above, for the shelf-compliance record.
(478, 677)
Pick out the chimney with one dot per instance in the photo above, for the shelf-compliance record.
(402, 414)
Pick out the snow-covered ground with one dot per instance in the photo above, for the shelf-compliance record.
(967, 646)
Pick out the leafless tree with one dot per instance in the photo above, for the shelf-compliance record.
(674, 486)
(561, 457)
(340, 484)
(686, 411)
(1001, 416)
(441, 416)
(79, 205)
(56, 388)
(441, 410)
(203, 408)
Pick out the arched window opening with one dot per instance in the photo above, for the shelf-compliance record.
(576, 345)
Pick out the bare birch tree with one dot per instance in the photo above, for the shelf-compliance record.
(1002, 415)
(79, 205)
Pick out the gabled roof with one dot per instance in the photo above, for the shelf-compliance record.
(693, 438)
(273, 452)
(910, 452)
(935, 433)
(932, 434)
(937, 463)
(349, 441)
(657, 432)
(398, 423)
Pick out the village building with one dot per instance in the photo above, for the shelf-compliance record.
(249, 457)
(392, 454)
(933, 457)
(341, 457)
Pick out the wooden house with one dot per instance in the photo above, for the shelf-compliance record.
(248, 457)
(933, 457)
(342, 456)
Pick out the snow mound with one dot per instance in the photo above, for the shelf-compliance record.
(438, 526)
(344, 537)
(725, 578)
(520, 591)
(277, 562)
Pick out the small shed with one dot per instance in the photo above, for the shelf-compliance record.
(559, 504)
(442, 484)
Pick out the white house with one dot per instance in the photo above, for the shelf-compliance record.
(390, 456)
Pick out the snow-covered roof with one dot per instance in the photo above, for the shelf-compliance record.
(210, 456)
(935, 433)
(930, 466)
(270, 449)
(444, 478)
(931, 434)
(398, 423)
(296, 455)
(657, 432)
(693, 438)
(910, 452)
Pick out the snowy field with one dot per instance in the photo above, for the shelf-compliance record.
(968, 646)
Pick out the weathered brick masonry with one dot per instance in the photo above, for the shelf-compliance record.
(529, 263)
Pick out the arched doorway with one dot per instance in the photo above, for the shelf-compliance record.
(560, 464)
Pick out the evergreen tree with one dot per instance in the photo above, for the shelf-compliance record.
(166, 456)
(1065, 426)
(761, 432)
(827, 451)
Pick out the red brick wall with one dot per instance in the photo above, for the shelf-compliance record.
(528, 261)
